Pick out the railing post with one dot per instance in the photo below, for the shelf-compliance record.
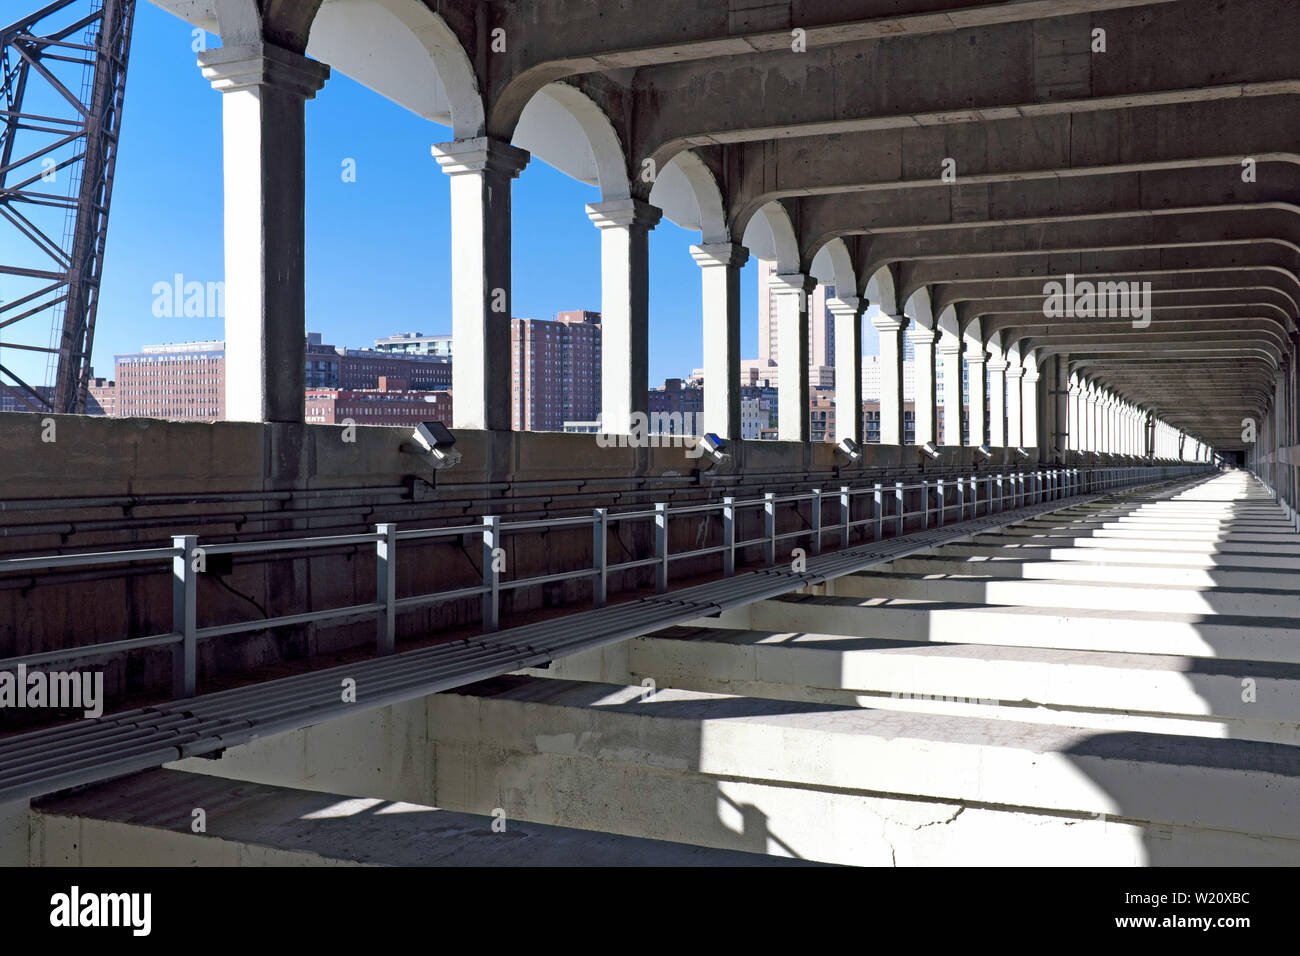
(961, 499)
(491, 578)
(878, 512)
(925, 505)
(999, 480)
(599, 556)
(816, 521)
(769, 526)
(729, 536)
(661, 546)
(942, 502)
(846, 515)
(898, 509)
(185, 615)
(386, 588)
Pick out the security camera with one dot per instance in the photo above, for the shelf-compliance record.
(850, 449)
(929, 450)
(436, 443)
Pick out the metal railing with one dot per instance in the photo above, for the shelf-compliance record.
(939, 501)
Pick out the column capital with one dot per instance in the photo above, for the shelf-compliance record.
(888, 323)
(624, 213)
(792, 283)
(976, 357)
(998, 365)
(948, 346)
(1014, 371)
(478, 154)
(1032, 374)
(233, 68)
(921, 336)
(712, 254)
(849, 306)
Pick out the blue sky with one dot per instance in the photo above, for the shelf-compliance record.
(378, 250)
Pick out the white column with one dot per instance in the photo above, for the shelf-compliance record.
(481, 171)
(791, 295)
(1029, 406)
(890, 328)
(624, 226)
(1075, 414)
(720, 264)
(975, 377)
(949, 350)
(1015, 402)
(997, 402)
(923, 343)
(1090, 417)
(848, 366)
(265, 88)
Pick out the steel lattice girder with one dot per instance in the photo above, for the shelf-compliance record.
(51, 128)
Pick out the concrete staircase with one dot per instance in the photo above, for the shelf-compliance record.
(1115, 683)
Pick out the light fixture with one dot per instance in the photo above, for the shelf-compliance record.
(1022, 453)
(714, 448)
(984, 452)
(436, 443)
(929, 450)
(850, 449)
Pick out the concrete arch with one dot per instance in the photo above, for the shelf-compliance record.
(239, 22)
(423, 67)
(918, 309)
(770, 235)
(972, 339)
(555, 124)
(947, 323)
(994, 346)
(880, 291)
(833, 266)
(688, 193)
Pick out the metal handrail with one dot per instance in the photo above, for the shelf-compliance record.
(966, 496)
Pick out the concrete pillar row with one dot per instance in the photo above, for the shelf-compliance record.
(1015, 405)
(1029, 407)
(1075, 416)
(1090, 417)
(949, 353)
(848, 366)
(890, 328)
(997, 403)
(265, 89)
(975, 376)
(481, 171)
(720, 264)
(926, 403)
(790, 292)
(625, 226)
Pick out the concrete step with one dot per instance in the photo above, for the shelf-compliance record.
(829, 783)
(1103, 690)
(1118, 596)
(1257, 578)
(1169, 556)
(147, 820)
(1219, 637)
(1009, 537)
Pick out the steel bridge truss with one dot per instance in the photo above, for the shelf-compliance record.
(62, 81)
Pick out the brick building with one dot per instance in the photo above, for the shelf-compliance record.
(555, 371)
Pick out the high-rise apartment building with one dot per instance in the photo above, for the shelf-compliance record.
(821, 322)
(555, 370)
